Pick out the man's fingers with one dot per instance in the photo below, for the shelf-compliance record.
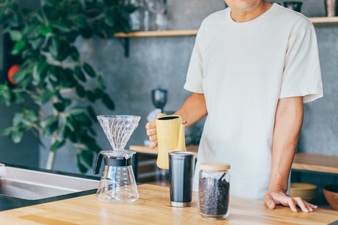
(153, 138)
(292, 205)
(313, 206)
(269, 202)
(302, 204)
(308, 206)
(160, 115)
(153, 145)
(151, 132)
(150, 125)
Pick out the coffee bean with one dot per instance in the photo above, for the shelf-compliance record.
(213, 196)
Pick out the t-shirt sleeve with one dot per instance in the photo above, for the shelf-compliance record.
(195, 71)
(302, 76)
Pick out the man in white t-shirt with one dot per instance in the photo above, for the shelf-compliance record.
(253, 66)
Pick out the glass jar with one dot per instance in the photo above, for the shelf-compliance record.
(213, 190)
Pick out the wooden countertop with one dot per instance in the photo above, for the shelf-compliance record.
(153, 208)
(302, 161)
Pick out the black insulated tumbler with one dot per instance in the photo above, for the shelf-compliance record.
(181, 171)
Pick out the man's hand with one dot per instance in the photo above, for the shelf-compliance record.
(151, 131)
(278, 196)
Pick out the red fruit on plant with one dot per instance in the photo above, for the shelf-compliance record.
(11, 73)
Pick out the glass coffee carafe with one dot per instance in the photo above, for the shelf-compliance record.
(118, 183)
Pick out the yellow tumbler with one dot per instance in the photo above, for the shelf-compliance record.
(170, 137)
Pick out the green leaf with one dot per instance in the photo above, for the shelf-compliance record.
(60, 107)
(67, 101)
(77, 110)
(50, 128)
(86, 33)
(15, 20)
(71, 135)
(129, 9)
(37, 43)
(109, 18)
(45, 97)
(62, 132)
(92, 113)
(93, 146)
(31, 31)
(19, 97)
(57, 144)
(83, 119)
(19, 45)
(90, 96)
(89, 70)
(80, 91)
(2, 88)
(2, 15)
(70, 123)
(15, 35)
(39, 71)
(21, 74)
(61, 27)
(52, 74)
(7, 131)
(53, 46)
(45, 30)
(17, 135)
(64, 51)
(80, 22)
(108, 102)
(86, 158)
(47, 121)
(17, 119)
(79, 165)
(79, 74)
(29, 117)
(98, 93)
(101, 82)
(52, 3)
(74, 54)
(7, 94)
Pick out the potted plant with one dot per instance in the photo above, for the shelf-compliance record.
(52, 72)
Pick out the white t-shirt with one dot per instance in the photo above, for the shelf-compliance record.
(243, 69)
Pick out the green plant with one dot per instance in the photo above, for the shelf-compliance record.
(52, 71)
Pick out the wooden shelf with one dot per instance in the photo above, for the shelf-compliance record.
(314, 20)
(316, 163)
(324, 20)
(158, 33)
(124, 38)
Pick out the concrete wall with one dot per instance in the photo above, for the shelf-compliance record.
(163, 61)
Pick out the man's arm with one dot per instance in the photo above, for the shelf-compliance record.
(288, 122)
(192, 110)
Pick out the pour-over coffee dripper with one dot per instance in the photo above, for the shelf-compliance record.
(118, 183)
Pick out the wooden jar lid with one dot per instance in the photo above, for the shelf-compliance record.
(216, 166)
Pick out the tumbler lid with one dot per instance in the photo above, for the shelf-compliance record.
(216, 166)
(181, 154)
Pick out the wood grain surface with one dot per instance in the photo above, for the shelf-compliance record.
(316, 163)
(158, 33)
(153, 208)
